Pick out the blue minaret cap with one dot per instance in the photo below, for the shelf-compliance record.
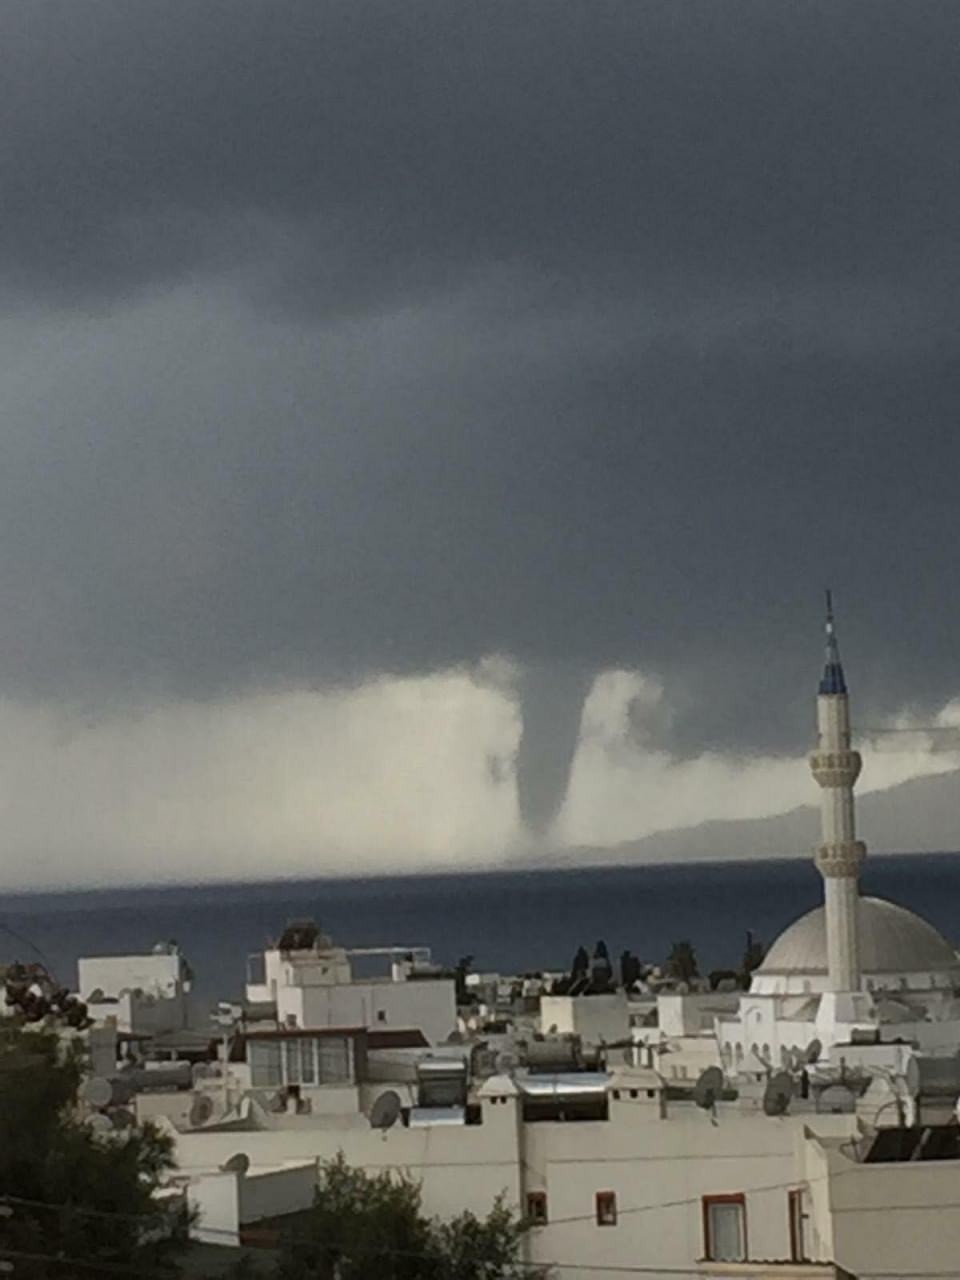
(833, 681)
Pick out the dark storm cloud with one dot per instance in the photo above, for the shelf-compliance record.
(679, 284)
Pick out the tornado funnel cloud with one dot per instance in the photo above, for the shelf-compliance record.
(551, 702)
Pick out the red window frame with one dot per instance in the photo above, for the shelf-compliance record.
(605, 1207)
(736, 1198)
(796, 1218)
(537, 1215)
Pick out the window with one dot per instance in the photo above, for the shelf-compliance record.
(266, 1067)
(292, 1061)
(308, 1051)
(299, 1060)
(725, 1228)
(537, 1208)
(606, 1208)
(798, 1251)
(333, 1059)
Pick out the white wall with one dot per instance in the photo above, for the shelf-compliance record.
(895, 1219)
(429, 1006)
(649, 1162)
(596, 1019)
(689, 1015)
(224, 1202)
(142, 1014)
(299, 968)
(215, 1200)
(158, 974)
(271, 1193)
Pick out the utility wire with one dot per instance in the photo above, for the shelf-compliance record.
(608, 1268)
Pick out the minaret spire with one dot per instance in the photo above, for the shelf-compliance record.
(836, 767)
(833, 681)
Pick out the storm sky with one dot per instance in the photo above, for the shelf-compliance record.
(427, 426)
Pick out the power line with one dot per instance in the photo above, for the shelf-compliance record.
(613, 1269)
(97, 1264)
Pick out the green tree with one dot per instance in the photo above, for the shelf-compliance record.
(601, 972)
(682, 962)
(72, 1194)
(371, 1227)
(753, 955)
(630, 969)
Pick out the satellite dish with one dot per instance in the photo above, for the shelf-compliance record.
(455, 1037)
(836, 1099)
(814, 1050)
(507, 1062)
(709, 1087)
(201, 1109)
(385, 1112)
(778, 1094)
(100, 1124)
(97, 1092)
(239, 1163)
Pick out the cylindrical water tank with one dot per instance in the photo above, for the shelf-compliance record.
(934, 1077)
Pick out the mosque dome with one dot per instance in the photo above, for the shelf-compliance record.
(893, 941)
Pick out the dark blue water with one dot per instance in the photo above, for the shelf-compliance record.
(511, 921)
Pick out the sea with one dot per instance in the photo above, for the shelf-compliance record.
(511, 921)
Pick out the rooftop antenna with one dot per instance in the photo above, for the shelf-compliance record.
(778, 1094)
(762, 1060)
(707, 1090)
(385, 1112)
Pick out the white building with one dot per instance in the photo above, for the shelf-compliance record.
(311, 983)
(604, 1018)
(140, 994)
(613, 1173)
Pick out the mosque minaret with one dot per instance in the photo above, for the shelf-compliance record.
(836, 767)
(857, 970)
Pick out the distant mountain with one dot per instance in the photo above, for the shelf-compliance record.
(920, 816)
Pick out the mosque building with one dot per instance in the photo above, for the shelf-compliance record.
(857, 971)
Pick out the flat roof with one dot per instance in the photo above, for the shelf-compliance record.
(303, 1033)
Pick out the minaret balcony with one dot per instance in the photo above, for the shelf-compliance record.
(841, 859)
(836, 768)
